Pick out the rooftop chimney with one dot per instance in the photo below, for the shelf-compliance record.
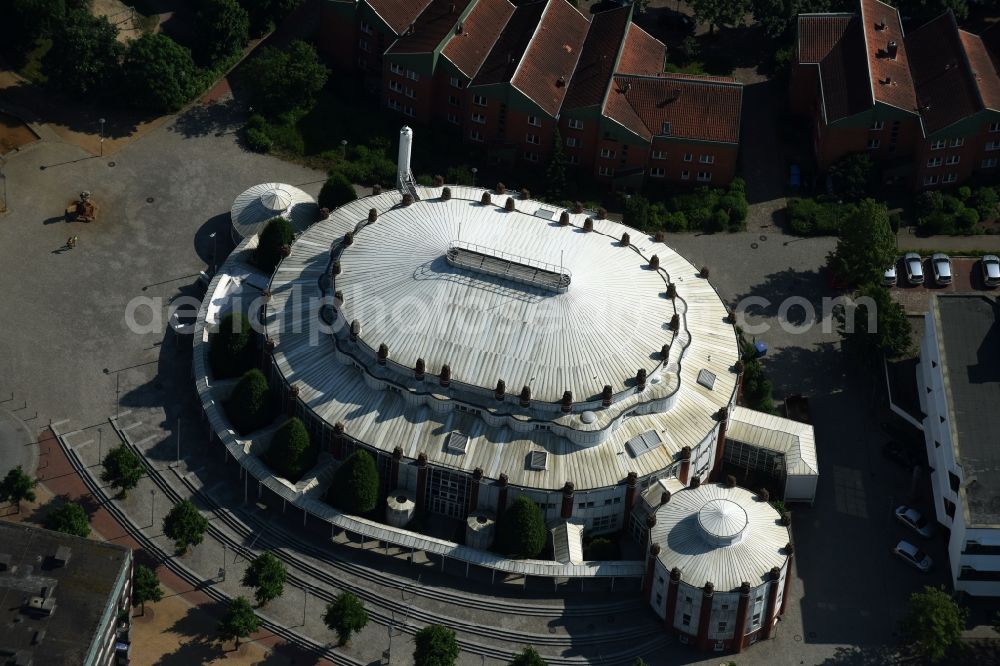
(880, 25)
(891, 49)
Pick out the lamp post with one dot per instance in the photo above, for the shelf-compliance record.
(305, 599)
(100, 442)
(343, 148)
(152, 506)
(102, 121)
(474, 172)
(3, 178)
(212, 236)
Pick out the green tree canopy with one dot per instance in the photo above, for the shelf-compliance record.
(251, 405)
(867, 246)
(85, 54)
(639, 661)
(122, 469)
(854, 176)
(934, 623)
(276, 234)
(778, 16)
(185, 525)
(222, 28)
(266, 14)
(720, 12)
(159, 74)
(528, 657)
(145, 586)
(346, 615)
(922, 11)
(267, 575)
(26, 20)
(291, 453)
(286, 79)
(68, 518)
(355, 484)
(891, 334)
(17, 486)
(232, 350)
(239, 622)
(336, 191)
(435, 646)
(521, 532)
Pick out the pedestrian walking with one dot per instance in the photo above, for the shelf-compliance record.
(71, 241)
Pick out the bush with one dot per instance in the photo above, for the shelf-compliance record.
(222, 28)
(68, 518)
(159, 73)
(256, 138)
(854, 177)
(601, 549)
(355, 486)
(286, 79)
(232, 348)
(369, 164)
(275, 235)
(337, 191)
(521, 532)
(985, 200)
(266, 14)
(675, 222)
(251, 405)
(812, 217)
(292, 453)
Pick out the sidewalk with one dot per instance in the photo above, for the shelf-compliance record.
(906, 239)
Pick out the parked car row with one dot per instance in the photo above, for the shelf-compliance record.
(913, 265)
(907, 551)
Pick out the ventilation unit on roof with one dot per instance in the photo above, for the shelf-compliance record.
(880, 25)
(643, 443)
(538, 460)
(891, 49)
(666, 129)
(459, 28)
(457, 443)
(707, 379)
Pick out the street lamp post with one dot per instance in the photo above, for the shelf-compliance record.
(152, 506)
(212, 236)
(305, 599)
(343, 148)
(102, 121)
(474, 172)
(100, 446)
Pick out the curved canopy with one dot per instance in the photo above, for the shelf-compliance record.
(253, 208)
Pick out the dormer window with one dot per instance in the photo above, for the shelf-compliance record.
(666, 129)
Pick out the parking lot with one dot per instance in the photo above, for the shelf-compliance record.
(967, 277)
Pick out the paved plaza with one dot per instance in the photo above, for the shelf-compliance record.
(68, 357)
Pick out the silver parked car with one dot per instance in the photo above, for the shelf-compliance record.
(914, 520)
(991, 270)
(913, 556)
(914, 268)
(941, 265)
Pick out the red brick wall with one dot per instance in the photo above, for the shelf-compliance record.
(722, 169)
(586, 148)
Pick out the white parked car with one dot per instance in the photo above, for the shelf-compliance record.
(914, 520)
(889, 277)
(913, 556)
(914, 268)
(942, 268)
(991, 270)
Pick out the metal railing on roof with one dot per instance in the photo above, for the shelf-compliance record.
(509, 266)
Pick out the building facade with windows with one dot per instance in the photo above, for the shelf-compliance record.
(514, 78)
(925, 105)
(958, 380)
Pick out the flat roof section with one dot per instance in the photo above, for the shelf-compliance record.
(970, 349)
(77, 592)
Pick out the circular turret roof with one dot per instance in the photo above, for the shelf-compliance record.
(723, 521)
(256, 206)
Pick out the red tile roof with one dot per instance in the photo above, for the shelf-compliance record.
(469, 49)
(642, 53)
(946, 89)
(984, 69)
(597, 60)
(505, 56)
(697, 108)
(843, 74)
(550, 59)
(818, 33)
(398, 14)
(432, 26)
(882, 25)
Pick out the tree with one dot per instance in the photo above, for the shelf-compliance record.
(251, 405)
(867, 246)
(276, 234)
(267, 575)
(934, 623)
(239, 622)
(922, 11)
(777, 16)
(521, 532)
(85, 54)
(639, 661)
(222, 30)
(555, 174)
(891, 334)
(26, 20)
(435, 646)
(232, 349)
(346, 615)
(757, 388)
(185, 525)
(355, 484)
(159, 74)
(145, 587)
(17, 486)
(528, 657)
(68, 518)
(291, 452)
(720, 12)
(286, 79)
(265, 14)
(336, 191)
(854, 176)
(123, 469)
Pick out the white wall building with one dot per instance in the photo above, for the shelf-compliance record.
(959, 386)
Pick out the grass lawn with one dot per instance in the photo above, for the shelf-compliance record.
(32, 69)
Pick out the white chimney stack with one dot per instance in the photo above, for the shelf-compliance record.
(403, 175)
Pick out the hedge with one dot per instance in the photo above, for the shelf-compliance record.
(232, 349)
(251, 405)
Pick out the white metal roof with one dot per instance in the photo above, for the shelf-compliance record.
(793, 439)
(253, 208)
(567, 543)
(685, 543)
(385, 419)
